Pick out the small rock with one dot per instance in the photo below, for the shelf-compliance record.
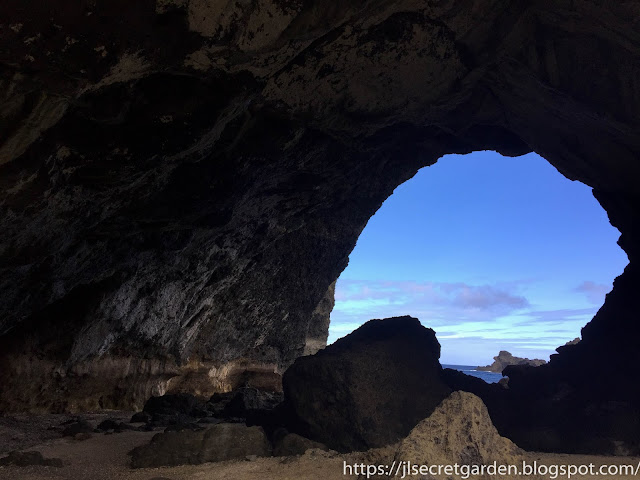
(111, 424)
(294, 444)
(141, 417)
(80, 426)
(25, 459)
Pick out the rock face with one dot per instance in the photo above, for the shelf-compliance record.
(369, 388)
(504, 359)
(459, 431)
(226, 441)
(174, 213)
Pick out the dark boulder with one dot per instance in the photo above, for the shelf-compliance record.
(26, 459)
(368, 389)
(225, 441)
(111, 424)
(79, 426)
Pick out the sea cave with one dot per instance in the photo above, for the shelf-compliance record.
(182, 183)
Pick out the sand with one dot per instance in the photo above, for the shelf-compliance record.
(104, 457)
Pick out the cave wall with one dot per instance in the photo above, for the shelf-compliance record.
(182, 181)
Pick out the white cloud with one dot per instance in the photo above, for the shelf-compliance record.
(595, 292)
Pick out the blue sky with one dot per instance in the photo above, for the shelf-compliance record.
(493, 253)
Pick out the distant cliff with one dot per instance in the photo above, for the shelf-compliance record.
(504, 359)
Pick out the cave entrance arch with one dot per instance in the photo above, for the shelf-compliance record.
(214, 236)
(493, 252)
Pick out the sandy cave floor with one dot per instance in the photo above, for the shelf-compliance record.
(104, 457)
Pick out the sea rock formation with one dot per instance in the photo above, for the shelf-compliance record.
(367, 389)
(504, 359)
(459, 431)
(226, 441)
(181, 182)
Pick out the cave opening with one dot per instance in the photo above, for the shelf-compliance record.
(494, 253)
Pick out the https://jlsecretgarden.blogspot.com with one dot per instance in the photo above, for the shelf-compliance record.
(408, 469)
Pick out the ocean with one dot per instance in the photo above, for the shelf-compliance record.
(489, 377)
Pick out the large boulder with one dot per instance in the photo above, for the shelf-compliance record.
(369, 388)
(459, 431)
(225, 441)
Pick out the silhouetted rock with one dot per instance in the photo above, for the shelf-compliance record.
(568, 345)
(505, 359)
(225, 441)
(369, 388)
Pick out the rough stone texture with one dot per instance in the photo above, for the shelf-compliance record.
(369, 388)
(459, 431)
(181, 181)
(226, 441)
(504, 359)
